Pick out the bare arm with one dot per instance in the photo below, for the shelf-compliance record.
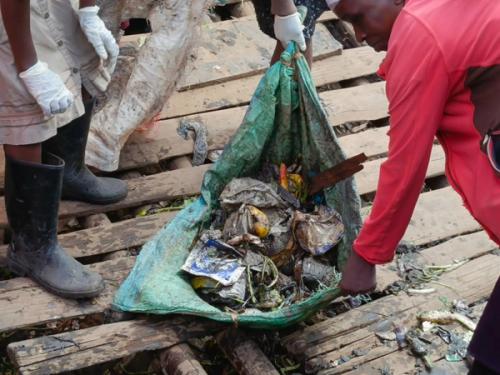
(283, 7)
(87, 3)
(16, 19)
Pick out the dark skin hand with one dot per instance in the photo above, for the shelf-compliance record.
(358, 276)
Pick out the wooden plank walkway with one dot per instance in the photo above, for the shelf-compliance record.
(216, 94)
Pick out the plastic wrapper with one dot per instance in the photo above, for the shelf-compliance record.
(213, 263)
(246, 220)
(318, 233)
(250, 191)
(316, 273)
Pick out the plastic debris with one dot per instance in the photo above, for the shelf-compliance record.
(213, 263)
(250, 191)
(419, 348)
(319, 232)
(316, 273)
(200, 131)
(401, 333)
(257, 253)
(457, 349)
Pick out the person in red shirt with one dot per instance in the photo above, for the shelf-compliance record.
(442, 72)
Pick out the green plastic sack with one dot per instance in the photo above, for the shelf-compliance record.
(285, 119)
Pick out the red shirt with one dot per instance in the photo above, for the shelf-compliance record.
(443, 79)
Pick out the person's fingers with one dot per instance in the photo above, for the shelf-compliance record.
(100, 49)
(301, 42)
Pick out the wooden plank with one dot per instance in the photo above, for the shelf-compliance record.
(132, 233)
(368, 177)
(23, 303)
(462, 247)
(439, 214)
(237, 48)
(422, 229)
(180, 360)
(244, 354)
(466, 246)
(361, 103)
(79, 349)
(400, 362)
(352, 63)
(471, 282)
(159, 187)
(31, 305)
(122, 235)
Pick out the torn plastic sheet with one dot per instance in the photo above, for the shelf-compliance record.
(320, 232)
(250, 191)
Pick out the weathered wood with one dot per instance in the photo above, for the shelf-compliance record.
(471, 282)
(352, 63)
(96, 220)
(78, 349)
(352, 104)
(400, 361)
(180, 163)
(23, 303)
(244, 354)
(439, 216)
(457, 248)
(122, 235)
(235, 49)
(368, 177)
(31, 305)
(180, 360)
(132, 233)
(159, 187)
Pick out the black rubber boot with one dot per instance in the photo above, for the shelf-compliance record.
(32, 194)
(79, 183)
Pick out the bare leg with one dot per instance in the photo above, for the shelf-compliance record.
(308, 54)
(31, 153)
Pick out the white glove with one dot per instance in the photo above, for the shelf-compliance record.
(47, 88)
(99, 36)
(288, 29)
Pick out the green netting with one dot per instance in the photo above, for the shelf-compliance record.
(285, 121)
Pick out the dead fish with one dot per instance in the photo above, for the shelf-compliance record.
(421, 291)
(446, 317)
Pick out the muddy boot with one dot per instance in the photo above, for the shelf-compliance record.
(79, 183)
(32, 193)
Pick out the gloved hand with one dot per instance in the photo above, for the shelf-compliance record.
(99, 36)
(289, 28)
(47, 88)
(358, 276)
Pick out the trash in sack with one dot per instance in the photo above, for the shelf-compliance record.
(211, 262)
(316, 273)
(319, 232)
(250, 191)
(285, 125)
(247, 220)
